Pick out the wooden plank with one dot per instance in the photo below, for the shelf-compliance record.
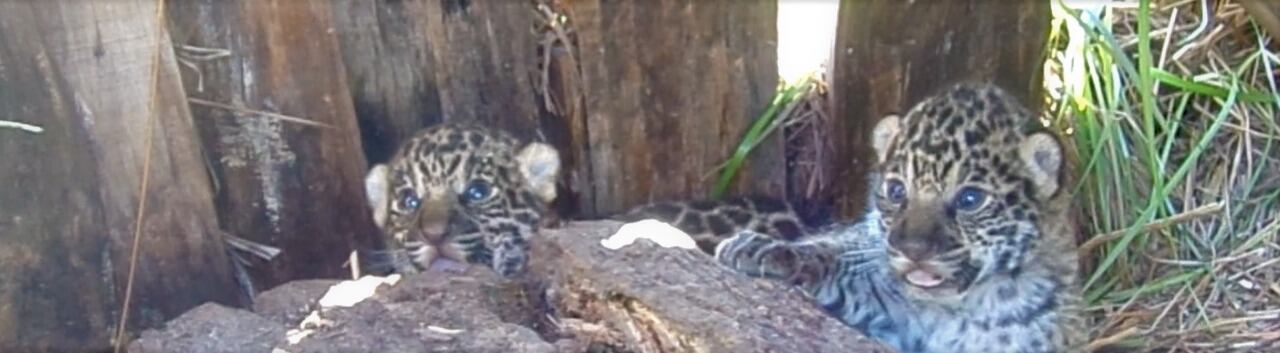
(484, 53)
(890, 54)
(83, 71)
(390, 70)
(290, 185)
(417, 62)
(667, 89)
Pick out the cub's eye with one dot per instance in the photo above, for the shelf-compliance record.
(478, 190)
(410, 200)
(895, 190)
(969, 198)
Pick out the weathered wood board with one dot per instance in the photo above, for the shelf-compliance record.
(83, 71)
(290, 185)
(661, 95)
(413, 63)
(890, 54)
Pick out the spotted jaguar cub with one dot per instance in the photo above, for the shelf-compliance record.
(967, 245)
(472, 194)
(464, 193)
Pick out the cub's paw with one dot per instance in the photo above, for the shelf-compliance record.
(758, 255)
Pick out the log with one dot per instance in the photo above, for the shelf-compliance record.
(413, 63)
(290, 184)
(579, 297)
(657, 95)
(98, 79)
(679, 300)
(890, 54)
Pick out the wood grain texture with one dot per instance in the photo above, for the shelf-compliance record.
(578, 297)
(890, 54)
(680, 300)
(284, 184)
(667, 89)
(83, 71)
(416, 62)
(389, 70)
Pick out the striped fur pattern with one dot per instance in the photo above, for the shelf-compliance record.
(967, 245)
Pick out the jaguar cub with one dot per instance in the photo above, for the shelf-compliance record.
(472, 194)
(967, 245)
(465, 193)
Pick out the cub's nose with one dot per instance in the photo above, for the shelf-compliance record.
(916, 249)
(918, 236)
(433, 232)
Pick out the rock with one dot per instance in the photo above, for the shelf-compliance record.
(212, 328)
(656, 299)
(577, 297)
(424, 313)
(290, 302)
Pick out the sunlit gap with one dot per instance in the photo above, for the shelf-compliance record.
(806, 31)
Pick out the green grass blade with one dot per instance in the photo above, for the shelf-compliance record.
(755, 134)
(1155, 201)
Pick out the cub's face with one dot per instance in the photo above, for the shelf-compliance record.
(962, 189)
(465, 193)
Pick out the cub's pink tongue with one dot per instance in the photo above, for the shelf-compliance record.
(923, 278)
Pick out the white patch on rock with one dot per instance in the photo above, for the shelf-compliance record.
(348, 293)
(658, 232)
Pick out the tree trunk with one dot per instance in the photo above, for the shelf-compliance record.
(84, 72)
(659, 93)
(297, 186)
(890, 54)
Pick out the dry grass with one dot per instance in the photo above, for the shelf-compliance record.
(1181, 184)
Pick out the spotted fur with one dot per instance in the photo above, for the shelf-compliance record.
(709, 222)
(465, 193)
(422, 199)
(969, 192)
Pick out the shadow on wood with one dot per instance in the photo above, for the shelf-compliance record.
(416, 62)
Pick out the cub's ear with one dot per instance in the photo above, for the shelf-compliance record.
(1041, 155)
(376, 190)
(540, 165)
(886, 130)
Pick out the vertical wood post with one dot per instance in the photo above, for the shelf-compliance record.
(291, 185)
(665, 90)
(83, 71)
(889, 54)
(413, 63)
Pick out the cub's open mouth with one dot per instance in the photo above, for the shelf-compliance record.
(923, 279)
